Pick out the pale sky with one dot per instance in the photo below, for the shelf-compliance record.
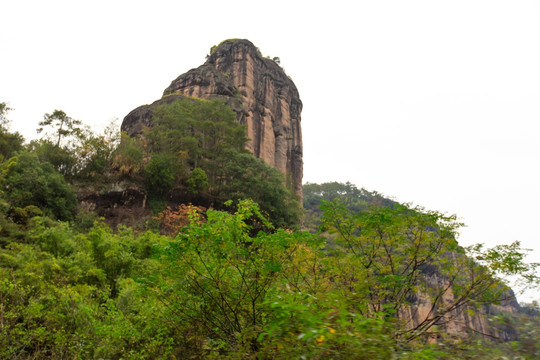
(431, 102)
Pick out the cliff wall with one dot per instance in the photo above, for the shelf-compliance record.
(458, 322)
(264, 98)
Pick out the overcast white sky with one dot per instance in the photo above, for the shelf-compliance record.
(431, 102)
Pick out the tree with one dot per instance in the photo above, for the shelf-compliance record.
(160, 175)
(63, 159)
(85, 156)
(242, 176)
(10, 142)
(242, 294)
(94, 153)
(68, 295)
(220, 277)
(127, 158)
(391, 257)
(26, 181)
(4, 121)
(527, 324)
(201, 129)
(354, 199)
(62, 125)
(203, 134)
(197, 181)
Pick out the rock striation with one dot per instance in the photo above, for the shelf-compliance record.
(458, 322)
(264, 98)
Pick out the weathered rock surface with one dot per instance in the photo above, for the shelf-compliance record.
(462, 321)
(126, 203)
(117, 206)
(264, 98)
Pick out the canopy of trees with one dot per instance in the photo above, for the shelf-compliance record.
(221, 290)
(354, 199)
(197, 144)
(235, 283)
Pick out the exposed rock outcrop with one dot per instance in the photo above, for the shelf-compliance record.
(264, 98)
(460, 321)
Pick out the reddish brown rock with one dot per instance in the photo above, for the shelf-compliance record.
(262, 95)
(458, 322)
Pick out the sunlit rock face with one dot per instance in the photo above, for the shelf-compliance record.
(264, 98)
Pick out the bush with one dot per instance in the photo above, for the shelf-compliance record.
(128, 157)
(61, 158)
(28, 181)
(245, 177)
(159, 175)
(197, 181)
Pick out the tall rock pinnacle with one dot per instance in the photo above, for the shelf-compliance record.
(262, 95)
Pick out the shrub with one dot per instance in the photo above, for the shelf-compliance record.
(197, 181)
(159, 175)
(28, 181)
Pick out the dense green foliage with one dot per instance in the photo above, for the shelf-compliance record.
(56, 289)
(218, 290)
(10, 142)
(128, 158)
(245, 177)
(234, 284)
(28, 181)
(159, 174)
(77, 153)
(197, 181)
(354, 199)
(197, 145)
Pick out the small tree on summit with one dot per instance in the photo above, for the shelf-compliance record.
(62, 124)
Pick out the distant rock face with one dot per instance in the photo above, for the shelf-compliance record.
(460, 322)
(264, 98)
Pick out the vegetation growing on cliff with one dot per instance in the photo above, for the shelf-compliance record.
(215, 47)
(231, 284)
(195, 147)
(202, 149)
(354, 199)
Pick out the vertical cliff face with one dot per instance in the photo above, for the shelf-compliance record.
(261, 94)
(458, 322)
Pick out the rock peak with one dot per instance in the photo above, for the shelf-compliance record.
(225, 46)
(264, 98)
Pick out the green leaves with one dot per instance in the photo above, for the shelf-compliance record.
(245, 177)
(221, 274)
(62, 125)
(160, 174)
(507, 260)
(202, 128)
(197, 181)
(10, 142)
(206, 152)
(28, 181)
(70, 295)
(394, 255)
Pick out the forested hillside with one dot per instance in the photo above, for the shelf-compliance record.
(233, 278)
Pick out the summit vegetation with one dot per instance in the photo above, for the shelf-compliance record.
(238, 279)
